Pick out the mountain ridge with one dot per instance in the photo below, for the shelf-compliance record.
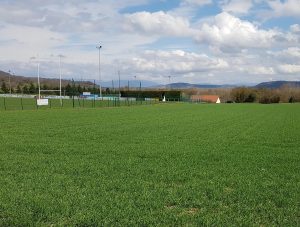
(16, 79)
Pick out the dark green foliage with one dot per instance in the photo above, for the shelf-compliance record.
(293, 99)
(243, 94)
(4, 88)
(25, 89)
(79, 89)
(268, 97)
(32, 89)
(19, 89)
(68, 90)
(152, 94)
(163, 165)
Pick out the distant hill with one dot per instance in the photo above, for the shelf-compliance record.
(132, 83)
(22, 80)
(188, 85)
(278, 84)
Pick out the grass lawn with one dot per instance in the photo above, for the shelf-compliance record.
(30, 103)
(169, 164)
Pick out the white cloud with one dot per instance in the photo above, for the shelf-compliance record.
(228, 49)
(289, 68)
(287, 8)
(236, 6)
(26, 41)
(196, 2)
(188, 8)
(177, 61)
(228, 31)
(158, 23)
(295, 28)
(291, 52)
(261, 70)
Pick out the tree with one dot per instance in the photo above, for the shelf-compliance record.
(68, 90)
(32, 88)
(19, 89)
(268, 96)
(79, 89)
(25, 89)
(4, 88)
(243, 94)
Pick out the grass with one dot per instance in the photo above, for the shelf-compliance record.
(30, 103)
(173, 164)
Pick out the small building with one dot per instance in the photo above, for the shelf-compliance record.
(206, 98)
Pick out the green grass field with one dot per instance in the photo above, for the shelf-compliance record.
(169, 164)
(30, 103)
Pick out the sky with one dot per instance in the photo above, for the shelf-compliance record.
(193, 41)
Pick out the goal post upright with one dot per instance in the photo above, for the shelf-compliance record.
(39, 84)
(60, 80)
(49, 90)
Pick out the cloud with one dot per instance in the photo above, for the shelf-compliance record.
(295, 28)
(195, 2)
(188, 8)
(289, 68)
(176, 61)
(288, 8)
(228, 31)
(220, 48)
(236, 6)
(158, 23)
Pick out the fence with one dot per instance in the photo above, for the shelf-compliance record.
(27, 103)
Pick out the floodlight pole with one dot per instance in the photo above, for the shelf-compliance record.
(60, 80)
(119, 83)
(135, 81)
(100, 87)
(9, 81)
(38, 72)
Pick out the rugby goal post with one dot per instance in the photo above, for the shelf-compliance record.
(45, 102)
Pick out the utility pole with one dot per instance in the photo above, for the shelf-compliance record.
(135, 81)
(9, 81)
(100, 87)
(60, 79)
(38, 72)
(119, 83)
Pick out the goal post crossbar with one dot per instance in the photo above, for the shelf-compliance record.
(48, 90)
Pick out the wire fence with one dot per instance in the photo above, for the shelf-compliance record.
(22, 103)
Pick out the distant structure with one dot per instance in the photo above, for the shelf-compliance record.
(206, 98)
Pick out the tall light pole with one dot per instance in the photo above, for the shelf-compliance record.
(135, 81)
(119, 83)
(100, 87)
(60, 79)
(9, 81)
(38, 72)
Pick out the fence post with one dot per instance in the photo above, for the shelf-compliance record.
(22, 104)
(50, 103)
(4, 103)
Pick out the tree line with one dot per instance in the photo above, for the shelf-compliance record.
(284, 94)
(287, 94)
(32, 89)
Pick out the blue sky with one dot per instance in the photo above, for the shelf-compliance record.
(196, 41)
